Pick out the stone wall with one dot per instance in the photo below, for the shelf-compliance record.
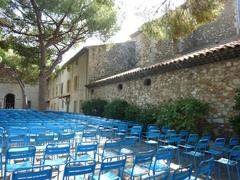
(214, 83)
(107, 60)
(223, 29)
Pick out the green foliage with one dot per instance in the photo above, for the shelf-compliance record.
(148, 114)
(178, 23)
(184, 113)
(235, 121)
(131, 112)
(94, 107)
(116, 109)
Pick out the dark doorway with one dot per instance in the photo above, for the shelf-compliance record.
(9, 101)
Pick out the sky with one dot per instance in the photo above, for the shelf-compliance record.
(132, 14)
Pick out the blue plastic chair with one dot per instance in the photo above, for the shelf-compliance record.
(79, 169)
(231, 162)
(232, 142)
(161, 160)
(1, 154)
(199, 151)
(109, 166)
(204, 170)
(217, 149)
(89, 136)
(122, 130)
(110, 149)
(137, 132)
(127, 145)
(183, 173)
(139, 167)
(152, 137)
(86, 151)
(33, 173)
(183, 135)
(42, 141)
(25, 155)
(56, 155)
(192, 140)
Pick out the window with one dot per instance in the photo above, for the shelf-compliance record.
(56, 90)
(29, 104)
(147, 82)
(76, 84)
(75, 106)
(92, 91)
(52, 92)
(61, 88)
(68, 86)
(120, 87)
(62, 104)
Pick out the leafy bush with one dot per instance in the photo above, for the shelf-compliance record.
(131, 112)
(116, 109)
(147, 114)
(235, 122)
(94, 107)
(184, 113)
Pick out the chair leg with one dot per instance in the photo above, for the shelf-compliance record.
(228, 171)
(237, 168)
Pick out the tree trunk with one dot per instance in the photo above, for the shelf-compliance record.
(42, 104)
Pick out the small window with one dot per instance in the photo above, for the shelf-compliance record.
(120, 87)
(29, 104)
(76, 84)
(75, 106)
(61, 88)
(68, 86)
(147, 82)
(62, 104)
(92, 91)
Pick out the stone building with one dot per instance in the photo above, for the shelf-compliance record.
(206, 66)
(10, 92)
(67, 90)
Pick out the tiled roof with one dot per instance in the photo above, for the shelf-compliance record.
(204, 56)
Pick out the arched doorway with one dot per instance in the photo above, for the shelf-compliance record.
(9, 101)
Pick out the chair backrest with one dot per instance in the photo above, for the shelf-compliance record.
(143, 157)
(24, 152)
(165, 155)
(205, 168)
(43, 139)
(193, 139)
(233, 142)
(83, 148)
(129, 141)
(164, 130)
(112, 145)
(65, 137)
(202, 145)
(235, 153)
(18, 140)
(219, 142)
(182, 173)
(77, 168)
(113, 163)
(33, 173)
(152, 135)
(136, 130)
(183, 133)
(57, 150)
(174, 139)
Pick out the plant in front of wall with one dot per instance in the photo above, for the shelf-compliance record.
(116, 109)
(235, 121)
(94, 107)
(184, 113)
